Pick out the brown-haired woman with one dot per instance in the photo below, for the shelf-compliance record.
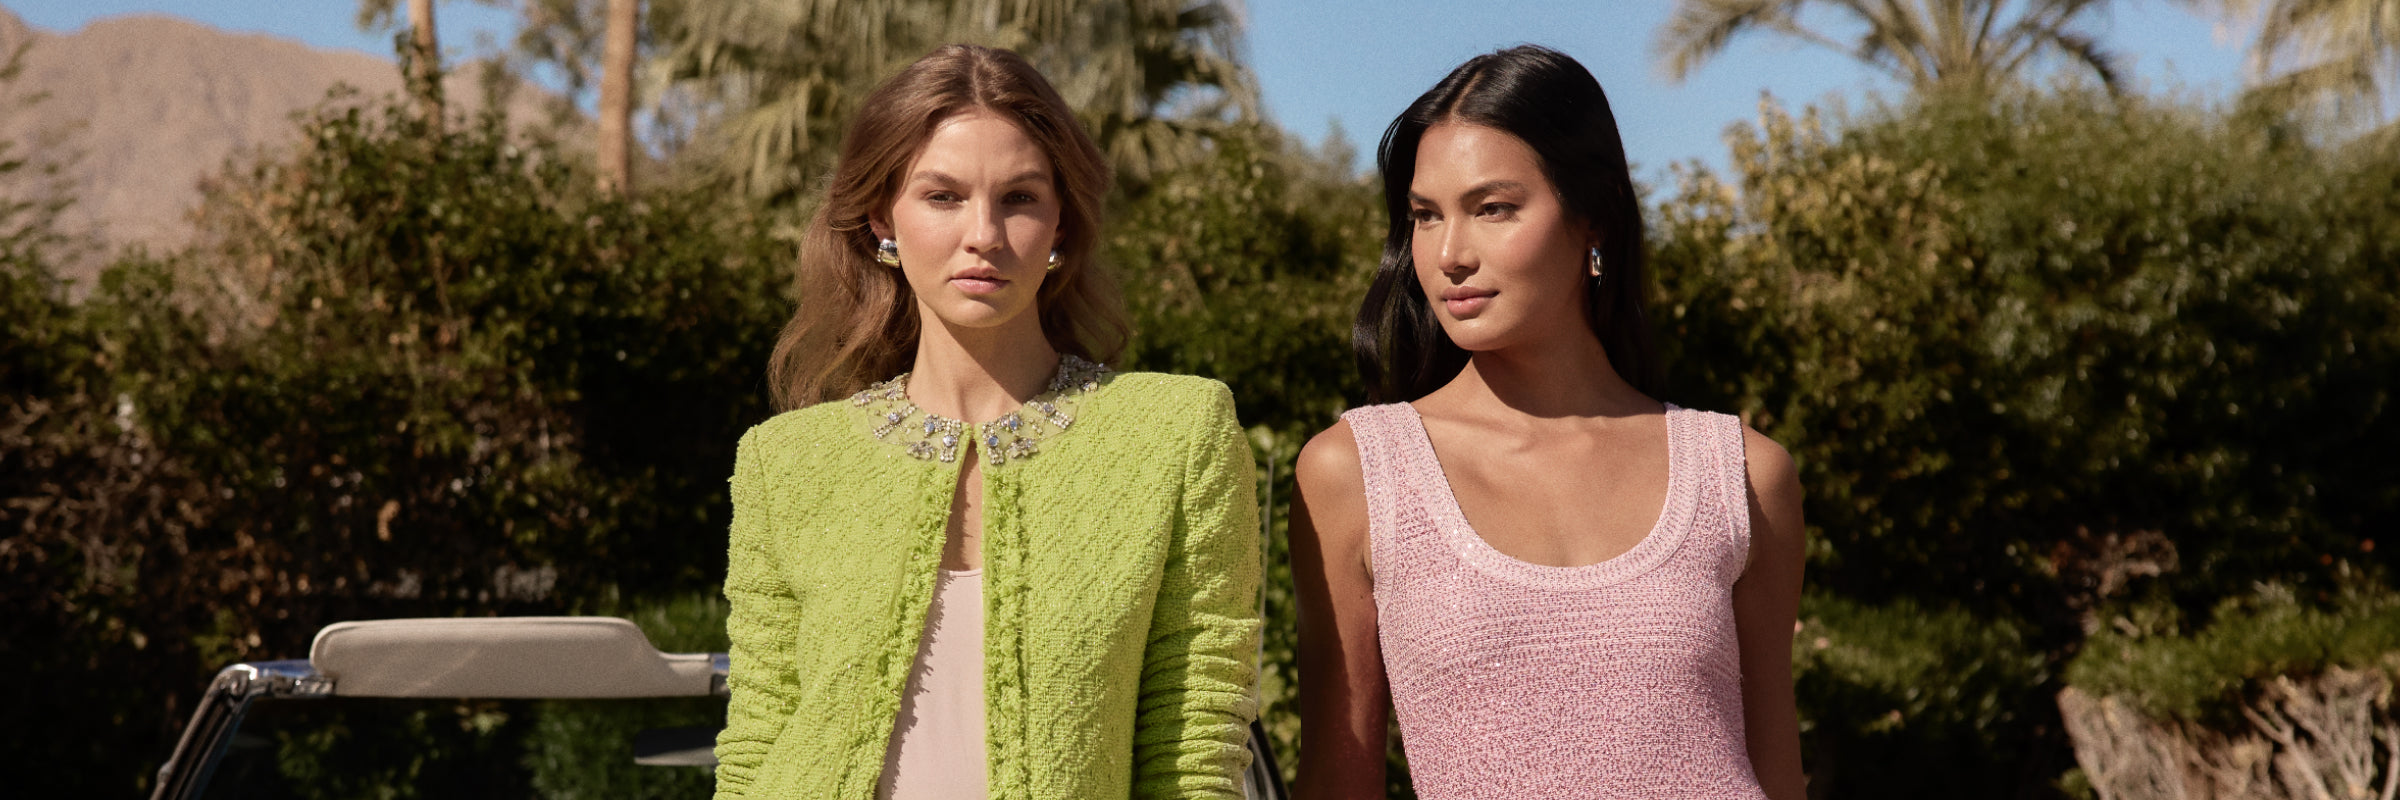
(968, 560)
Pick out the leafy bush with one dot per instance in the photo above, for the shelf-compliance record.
(2273, 697)
(2038, 355)
(2206, 674)
(1910, 694)
(408, 372)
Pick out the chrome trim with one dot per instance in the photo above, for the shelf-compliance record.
(676, 747)
(1264, 779)
(220, 711)
(720, 665)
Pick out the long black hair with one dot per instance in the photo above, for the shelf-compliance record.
(1555, 106)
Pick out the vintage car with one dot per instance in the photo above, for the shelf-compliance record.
(592, 658)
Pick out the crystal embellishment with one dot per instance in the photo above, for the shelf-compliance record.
(1016, 435)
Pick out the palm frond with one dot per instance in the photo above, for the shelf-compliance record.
(1700, 29)
(1927, 43)
(2084, 50)
(1150, 77)
(2340, 54)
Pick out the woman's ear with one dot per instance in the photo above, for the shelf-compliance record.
(880, 226)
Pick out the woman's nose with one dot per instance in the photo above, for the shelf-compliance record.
(985, 229)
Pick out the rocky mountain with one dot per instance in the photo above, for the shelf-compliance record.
(141, 107)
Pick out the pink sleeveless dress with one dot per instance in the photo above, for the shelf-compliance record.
(1620, 679)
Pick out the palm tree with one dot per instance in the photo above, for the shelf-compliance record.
(2343, 52)
(424, 50)
(571, 35)
(583, 43)
(616, 97)
(1152, 77)
(1930, 44)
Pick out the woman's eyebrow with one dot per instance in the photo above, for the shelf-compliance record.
(937, 176)
(1480, 191)
(1489, 188)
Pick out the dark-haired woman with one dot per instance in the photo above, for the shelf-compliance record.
(969, 560)
(1562, 586)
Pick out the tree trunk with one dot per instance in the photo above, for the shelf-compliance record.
(426, 63)
(616, 97)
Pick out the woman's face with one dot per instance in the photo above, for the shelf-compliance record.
(1500, 258)
(975, 218)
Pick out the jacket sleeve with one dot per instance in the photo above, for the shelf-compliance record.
(762, 625)
(1199, 671)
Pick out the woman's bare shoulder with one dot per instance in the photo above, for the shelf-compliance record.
(1329, 466)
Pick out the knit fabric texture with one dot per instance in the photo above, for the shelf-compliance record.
(1620, 679)
(1121, 583)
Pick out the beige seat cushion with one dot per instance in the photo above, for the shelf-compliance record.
(503, 657)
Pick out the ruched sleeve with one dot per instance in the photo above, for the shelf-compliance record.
(1199, 670)
(762, 625)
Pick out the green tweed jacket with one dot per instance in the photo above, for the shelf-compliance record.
(1121, 568)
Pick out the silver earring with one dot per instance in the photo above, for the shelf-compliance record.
(887, 253)
(1053, 261)
(1596, 271)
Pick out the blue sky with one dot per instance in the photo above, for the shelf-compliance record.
(1362, 62)
(1359, 62)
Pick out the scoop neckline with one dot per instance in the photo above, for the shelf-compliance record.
(1664, 537)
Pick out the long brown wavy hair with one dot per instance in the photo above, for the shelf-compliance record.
(857, 321)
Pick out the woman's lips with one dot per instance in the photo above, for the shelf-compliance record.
(1466, 301)
(978, 281)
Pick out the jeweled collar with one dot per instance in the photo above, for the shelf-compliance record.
(932, 437)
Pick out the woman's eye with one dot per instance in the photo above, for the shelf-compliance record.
(941, 197)
(1422, 216)
(1020, 197)
(1496, 210)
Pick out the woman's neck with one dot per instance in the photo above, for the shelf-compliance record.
(1556, 377)
(980, 374)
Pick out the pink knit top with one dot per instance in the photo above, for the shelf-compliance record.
(1620, 679)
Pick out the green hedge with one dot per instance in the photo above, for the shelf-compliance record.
(406, 372)
(2205, 674)
(2039, 356)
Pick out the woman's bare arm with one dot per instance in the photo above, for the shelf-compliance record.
(1345, 705)
(1766, 604)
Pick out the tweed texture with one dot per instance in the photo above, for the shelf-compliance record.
(1620, 679)
(1121, 579)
